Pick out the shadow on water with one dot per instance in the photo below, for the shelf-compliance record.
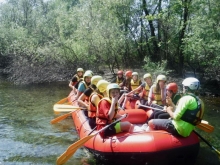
(27, 137)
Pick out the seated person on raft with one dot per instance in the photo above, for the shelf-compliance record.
(171, 100)
(119, 78)
(186, 115)
(107, 112)
(157, 94)
(94, 99)
(76, 78)
(144, 88)
(84, 97)
(134, 83)
(83, 85)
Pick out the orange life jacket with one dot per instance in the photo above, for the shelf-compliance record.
(92, 108)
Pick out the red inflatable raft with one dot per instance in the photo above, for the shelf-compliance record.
(139, 147)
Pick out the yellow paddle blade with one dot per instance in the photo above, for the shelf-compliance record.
(205, 127)
(72, 149)
(56, 120)
(62, 106)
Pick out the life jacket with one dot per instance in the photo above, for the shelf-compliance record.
(145, 92)
(195, 116)
(119, 80)
(134, 85)
(92, 108)
(157, 96)
(101, 118)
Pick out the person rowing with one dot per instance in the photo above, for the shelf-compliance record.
(76, 78)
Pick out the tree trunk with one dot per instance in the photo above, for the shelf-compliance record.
(180, 47)
(155, 57)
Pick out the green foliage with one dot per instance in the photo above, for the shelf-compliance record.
(156, 68)
(97, 34)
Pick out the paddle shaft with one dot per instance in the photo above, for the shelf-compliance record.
(150, 107)
(218, 152)
(72, 148)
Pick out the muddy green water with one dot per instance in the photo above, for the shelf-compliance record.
(28, 138)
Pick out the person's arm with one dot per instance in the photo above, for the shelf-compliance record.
(81, 100)
(137, 89)
(170, 111)
(81, 89)
(111, 111)
(150, 96)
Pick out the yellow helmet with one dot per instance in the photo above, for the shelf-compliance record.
(112, 86)
(95, 79)
(161, 77)
(80, 70)
(147, 75)
(102, 85)
(135, 74)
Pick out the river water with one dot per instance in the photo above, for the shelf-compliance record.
(28, 138)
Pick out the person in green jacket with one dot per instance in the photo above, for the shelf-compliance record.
(188, 112)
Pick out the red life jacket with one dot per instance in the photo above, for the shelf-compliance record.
(101, 119)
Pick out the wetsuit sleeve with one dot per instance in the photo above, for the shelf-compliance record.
(74, 79)
(88, 92)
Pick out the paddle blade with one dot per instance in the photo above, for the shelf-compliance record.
(62, 101)
(72, 149)
(56, 120)
(205, 127)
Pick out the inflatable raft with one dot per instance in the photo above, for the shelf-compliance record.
(139, 147)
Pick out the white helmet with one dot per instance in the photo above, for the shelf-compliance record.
(135, 74)
(112, 86)
(161, 78)
(191, 82)
(80, 70)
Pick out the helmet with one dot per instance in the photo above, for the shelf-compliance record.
(135, 74)
(80, 70)
(192, 83)
(161, 77)
(128, 73)
(147, 75)
(112, 86)
(120, 72)
(87, 74)
(102, 85)
(90, 72)
(95, 79)
(172, 87)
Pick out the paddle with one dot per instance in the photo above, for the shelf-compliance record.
(62, 100)
(72, 148)
(62, 117)
(203, 125)
(218, 152)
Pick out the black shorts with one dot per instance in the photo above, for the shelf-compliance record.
(165, 124)
(110, 130)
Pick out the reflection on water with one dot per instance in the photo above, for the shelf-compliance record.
(27, 137)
